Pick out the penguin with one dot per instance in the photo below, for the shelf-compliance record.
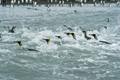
(85, 35)
(105, 27)
(68, 28)
(47, 40)
(68, 34)
(11, 30)
(20, 44)
(75, 11)
(95, 36)
(59, 37)
(73, 34)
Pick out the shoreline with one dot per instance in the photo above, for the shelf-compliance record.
(59, 3)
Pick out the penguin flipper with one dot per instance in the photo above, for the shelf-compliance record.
(32, 50)
(105, 42)
(70, 29)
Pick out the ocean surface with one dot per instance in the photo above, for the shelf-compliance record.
(61, 59)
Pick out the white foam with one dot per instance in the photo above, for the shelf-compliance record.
(44, 47)
(5, 51)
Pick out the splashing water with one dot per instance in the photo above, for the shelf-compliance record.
(78, 59)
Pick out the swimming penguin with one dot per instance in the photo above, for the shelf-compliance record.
(59, 37)
(68, 27)
(68, 34)
(73, 34)
(8, 29)
(95, 36)
(11, 30)
(75, 11)
(47, 40)
(20, 44)
(105, 27)
(85, 34)
(59, 43)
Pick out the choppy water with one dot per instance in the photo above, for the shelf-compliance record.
(79, 59)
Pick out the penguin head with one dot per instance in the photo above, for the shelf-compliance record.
(19, 42)
(94, 35)
(73, 34)
(84, 32)
(59, 37)
(47, 40)
(64, 25)
(105, 27)
(13, 27)
(68, 34)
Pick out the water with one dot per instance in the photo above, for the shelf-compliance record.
(79, 59)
